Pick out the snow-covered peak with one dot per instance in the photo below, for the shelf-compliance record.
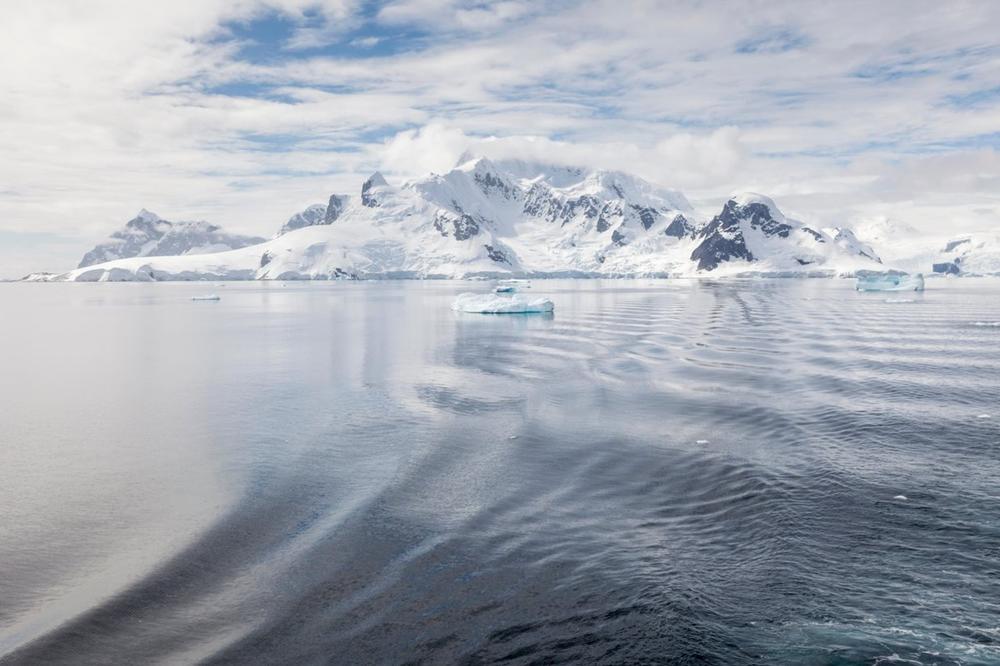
(147, 216)
(311, 216)
(883, 229)
(371, 189)
(747, 199)
(555, 175)
(148, 234)
(376, 180)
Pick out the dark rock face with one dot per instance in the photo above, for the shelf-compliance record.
(815, 234)
(266, 258)
(948, 268)
(466, 227)
(491, 184)
(316, 215)
(539, 202)
(309, 217)
(497, 255)
(462, 226)
(647, 216)
(723, 237)
(723, 240)
(679, 227)
(720, 245)
(334, 208)
(955, 243)
(618, 238)
(368, 197)
(759, 217)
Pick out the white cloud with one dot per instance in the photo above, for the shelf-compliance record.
(113, 105)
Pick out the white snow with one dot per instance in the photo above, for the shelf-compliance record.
(515, 218)
(501, 304)
(747, 198)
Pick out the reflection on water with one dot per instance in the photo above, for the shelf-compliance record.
(663, 471)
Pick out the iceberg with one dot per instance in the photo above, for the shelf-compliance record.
(501, 304)
(891, 282)
(207, 297)
(505, 289)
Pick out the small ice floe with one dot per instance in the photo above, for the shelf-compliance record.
(900, 300)
(206, 297)
(512, 437)
(901, 498)
(890, 282)
(501, 304)
(505, 289)
(991, 324)
(984, 416)
(701, 441)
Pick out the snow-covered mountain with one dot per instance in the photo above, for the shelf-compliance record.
(902, 246)
(971, 254)
(883, 232)
(148, 235)
(751, 230)
(515, 217)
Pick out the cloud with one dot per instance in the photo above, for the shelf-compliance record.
(242, 111)
(682, 159)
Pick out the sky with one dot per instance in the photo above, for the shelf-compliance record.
(243, 112)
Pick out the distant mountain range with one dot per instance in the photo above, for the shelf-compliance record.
(486, 218)
(148, 235)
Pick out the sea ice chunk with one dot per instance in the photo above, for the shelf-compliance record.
(891, 282)
(501, 304)
(206, 297)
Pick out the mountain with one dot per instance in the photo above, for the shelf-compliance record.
(317, 214)
(883, 232)
(148, 235)
(516, 217)
(971, 254)
(939, 252)
(752, 230)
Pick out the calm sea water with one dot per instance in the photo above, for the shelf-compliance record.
(759, 472)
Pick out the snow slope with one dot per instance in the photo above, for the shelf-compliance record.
(514, 217)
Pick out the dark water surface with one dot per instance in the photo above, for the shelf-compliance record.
(663, 472)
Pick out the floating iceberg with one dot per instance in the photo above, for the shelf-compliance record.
(207, 297)
(505, 289)
(501, 304)
(891, 282)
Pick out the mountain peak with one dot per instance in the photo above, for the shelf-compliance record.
(747, 198)
(147, 216)
(368, 197)
(374, 180)
(466, 156)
